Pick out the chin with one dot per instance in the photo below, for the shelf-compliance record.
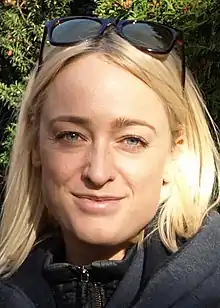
(101, 237)
(98, 231)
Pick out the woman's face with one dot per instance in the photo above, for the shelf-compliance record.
(104, 150)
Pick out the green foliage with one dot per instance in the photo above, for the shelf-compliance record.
(200, 21)
(21, 28)
(10, 95)
(21, 31)
(7, 144)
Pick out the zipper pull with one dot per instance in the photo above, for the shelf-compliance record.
(84, 273)
(84, 278)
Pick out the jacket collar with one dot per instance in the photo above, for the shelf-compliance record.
(56, 270)
(188, 268)
(183, 271)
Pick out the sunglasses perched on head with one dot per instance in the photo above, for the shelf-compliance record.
(149, 37)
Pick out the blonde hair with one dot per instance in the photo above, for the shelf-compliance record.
(194, 190)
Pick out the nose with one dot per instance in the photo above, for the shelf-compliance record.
(99, 169)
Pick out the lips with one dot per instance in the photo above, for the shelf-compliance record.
(93, 204)
(99, 198)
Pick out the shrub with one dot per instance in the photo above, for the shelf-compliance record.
(21, 27)
(200, 21)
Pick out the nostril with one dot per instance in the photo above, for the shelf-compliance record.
(95, 179)
(99, 168)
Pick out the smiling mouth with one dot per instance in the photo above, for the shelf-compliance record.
(99, 198)
(92, 204)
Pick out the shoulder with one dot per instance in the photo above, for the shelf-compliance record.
(12, 297)
(28, 281)
(193, 272)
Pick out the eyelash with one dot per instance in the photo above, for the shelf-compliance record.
(62, 135)
(142, 142)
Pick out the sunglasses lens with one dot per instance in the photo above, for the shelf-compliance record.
(75, 30)
(149, 36)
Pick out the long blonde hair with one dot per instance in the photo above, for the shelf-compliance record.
(195, 188)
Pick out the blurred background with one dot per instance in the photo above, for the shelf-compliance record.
(21, 28)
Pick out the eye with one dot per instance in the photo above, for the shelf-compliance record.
(70, 137)
(134, 143)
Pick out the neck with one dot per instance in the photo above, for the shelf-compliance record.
(80, 253)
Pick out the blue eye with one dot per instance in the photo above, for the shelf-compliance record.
(133, 141)
(71, 137)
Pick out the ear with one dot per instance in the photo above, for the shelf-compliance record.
(170, 169)
(170, 165)
(35, 157)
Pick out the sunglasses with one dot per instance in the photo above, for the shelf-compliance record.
(149, 37)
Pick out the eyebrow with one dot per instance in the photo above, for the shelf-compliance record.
(126, 122)
(118, 123)
(72, 119)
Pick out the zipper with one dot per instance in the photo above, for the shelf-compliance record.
(97, 291)
(98, 296)
(84, 279)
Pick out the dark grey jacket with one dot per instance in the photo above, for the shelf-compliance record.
(189, 278)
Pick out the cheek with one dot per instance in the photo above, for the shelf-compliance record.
(55, 168)
(145, 178)
(58, 170)
(56, 165)
(145, 173)
(146, 187)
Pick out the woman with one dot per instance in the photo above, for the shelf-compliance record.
(114, 176)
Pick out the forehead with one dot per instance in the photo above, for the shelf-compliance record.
(94, 87)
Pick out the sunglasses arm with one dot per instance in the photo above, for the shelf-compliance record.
(40, 59)
(183, 65)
